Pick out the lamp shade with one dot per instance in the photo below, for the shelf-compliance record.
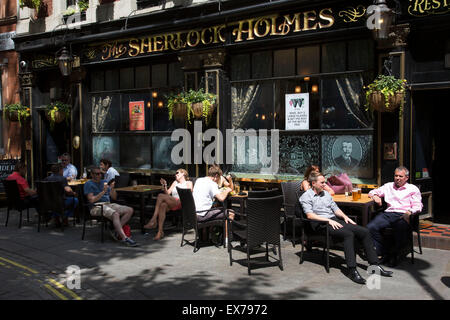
(65, 61)
(386, 17)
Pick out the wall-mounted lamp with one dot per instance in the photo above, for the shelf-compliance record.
(65, 61)
(315, 88)
(149, 104)
(306, 79)
(160, 104)
(155, 94)
(379, 19)
(298, 89)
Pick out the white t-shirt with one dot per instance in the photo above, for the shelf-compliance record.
(111, 174)
(204, 192)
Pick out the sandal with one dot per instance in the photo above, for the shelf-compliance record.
(151, 225)
(161, 235)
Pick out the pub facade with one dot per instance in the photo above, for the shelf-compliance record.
(290, 73)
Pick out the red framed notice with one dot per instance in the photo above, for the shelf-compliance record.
(137, 115)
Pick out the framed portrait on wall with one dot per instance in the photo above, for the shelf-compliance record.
(352, 154)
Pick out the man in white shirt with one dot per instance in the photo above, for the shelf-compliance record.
(205, 190)
(69, 170)
(109, 172)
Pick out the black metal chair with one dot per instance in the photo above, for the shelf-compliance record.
(313, 234)
(290, 191)
(262, 226)
(51, 199)
(189, 217)
(14, 201)
(389, 238)
(264, 193)
(123, 180)
(86, 208)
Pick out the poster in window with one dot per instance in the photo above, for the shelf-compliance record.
(106, 148)
(297, 111)
(137, 115)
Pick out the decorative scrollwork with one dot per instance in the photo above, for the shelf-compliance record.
(90, 53)
(44, 61)
(351, 14)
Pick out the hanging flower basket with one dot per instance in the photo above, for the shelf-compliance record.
(179, 111)
(57, 112)
(198, 104)
(377, 101)
(17, 113)
(385, 93)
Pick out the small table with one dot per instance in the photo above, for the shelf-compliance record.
(77, 186)
(142, 191)
(236, 198)
(363, 204)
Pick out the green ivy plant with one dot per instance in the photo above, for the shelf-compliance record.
(54, 107)
(23, 112)
(387, 85)
(83, 5)
(33, 4)
(189, 98)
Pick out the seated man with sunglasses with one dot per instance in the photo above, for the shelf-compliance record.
(98, 190)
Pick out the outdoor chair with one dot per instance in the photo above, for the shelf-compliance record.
(86, 206)
(311, 235)
(389, 239)
(123, 180)
(14, 201)
(264, 193)
(262, 227)
(189, 217)
(290, 191)
(51, 200)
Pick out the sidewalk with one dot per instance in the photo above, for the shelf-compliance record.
(164, 270)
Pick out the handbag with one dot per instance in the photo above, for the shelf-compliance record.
(339, 182)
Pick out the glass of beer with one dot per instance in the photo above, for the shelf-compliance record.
(359, 193)
(355, 194)
(237, 188)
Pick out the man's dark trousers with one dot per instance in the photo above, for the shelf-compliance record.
(348, 233)
(388, 220)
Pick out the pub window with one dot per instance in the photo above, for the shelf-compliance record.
(262, 64)
(127, 78)
(240, 67)
(97, 80)
(112, 79)
(343, 103)
(162, 147)
(136, 151)
(159, 75)
(142, 75)
(1, 117)
(308, 60)
(334, 57)
(284, 62)
(175, 75)
(360, 55)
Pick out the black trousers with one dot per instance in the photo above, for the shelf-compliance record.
(348, 234)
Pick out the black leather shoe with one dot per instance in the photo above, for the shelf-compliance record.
(356, 277)
(382, 272)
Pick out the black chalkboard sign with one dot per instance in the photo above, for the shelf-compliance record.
(6, 168)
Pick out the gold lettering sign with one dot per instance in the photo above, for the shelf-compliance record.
(245, 30)
(420, 8)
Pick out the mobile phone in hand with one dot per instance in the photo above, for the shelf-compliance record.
(111, 181)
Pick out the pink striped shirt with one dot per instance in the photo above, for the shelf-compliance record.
(406, 198)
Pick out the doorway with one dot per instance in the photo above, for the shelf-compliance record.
(430, 122)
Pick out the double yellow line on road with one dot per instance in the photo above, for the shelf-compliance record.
(29, 272)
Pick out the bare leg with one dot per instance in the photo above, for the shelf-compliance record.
(162, 216)
(118, 225)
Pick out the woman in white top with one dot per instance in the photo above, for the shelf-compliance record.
(109, 172)
(169, 200)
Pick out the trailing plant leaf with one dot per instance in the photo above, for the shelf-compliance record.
(52, 110)
(23, 112)
(189, 98)
(387, 85)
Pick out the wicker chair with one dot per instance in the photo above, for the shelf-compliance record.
(290, 191)
(14, 201)
(263, 226)
(189, 219)
(86, 208)
(51, 199)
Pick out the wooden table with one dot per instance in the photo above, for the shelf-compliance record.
(77, 187)
(364, 204)
(237, 198)
(142, 191)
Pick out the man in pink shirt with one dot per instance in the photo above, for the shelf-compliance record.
(402, 199)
